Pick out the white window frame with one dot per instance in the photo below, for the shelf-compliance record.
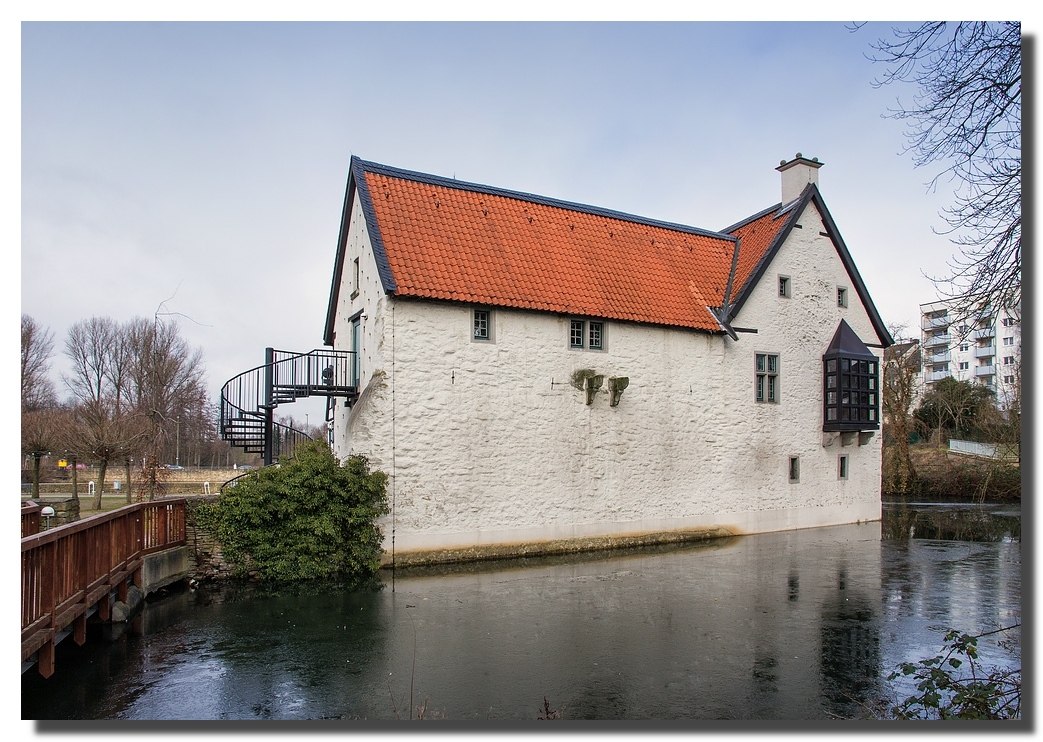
(793, 470)
(843, 466)
(842, 296)
(785, 285)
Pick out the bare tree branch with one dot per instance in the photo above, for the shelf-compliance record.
(965, 120)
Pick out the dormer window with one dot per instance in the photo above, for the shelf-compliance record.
(851, 384)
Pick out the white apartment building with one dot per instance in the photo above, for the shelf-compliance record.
(985, 349)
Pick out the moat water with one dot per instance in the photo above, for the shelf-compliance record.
(799, 625)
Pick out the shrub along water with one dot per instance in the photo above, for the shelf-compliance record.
(306, 519)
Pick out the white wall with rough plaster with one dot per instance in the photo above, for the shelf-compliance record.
(489, 443)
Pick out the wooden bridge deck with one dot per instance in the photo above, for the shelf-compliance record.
(71, 570)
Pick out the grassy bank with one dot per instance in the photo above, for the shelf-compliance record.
(943, 474)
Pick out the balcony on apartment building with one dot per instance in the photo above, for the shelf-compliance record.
(933, 322)
(941, 356)
(933, 376)
(935, 341)
(984, 370)
(984, 332)
(985, 351)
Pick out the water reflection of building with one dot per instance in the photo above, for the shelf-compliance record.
(851, 664)
(775, 626)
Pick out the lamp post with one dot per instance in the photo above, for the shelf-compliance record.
(177, 444)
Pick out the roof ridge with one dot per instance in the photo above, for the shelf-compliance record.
(755, 217)
(463, 185)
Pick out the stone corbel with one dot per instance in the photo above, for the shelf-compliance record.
(593, 386)
(616, 385)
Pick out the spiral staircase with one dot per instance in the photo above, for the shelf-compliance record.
(248, 401)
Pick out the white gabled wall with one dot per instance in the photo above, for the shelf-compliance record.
(489, 443)
(799, 328)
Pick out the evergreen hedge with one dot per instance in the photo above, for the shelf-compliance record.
(306, 519)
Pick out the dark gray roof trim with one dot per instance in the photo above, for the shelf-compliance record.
(435, 180)
(358, 168)
(795, 209)
(356, 184)
(755, 217)
(338, 261)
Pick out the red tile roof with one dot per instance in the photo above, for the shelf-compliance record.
(461, 242)
(756, 237)
(440, 238)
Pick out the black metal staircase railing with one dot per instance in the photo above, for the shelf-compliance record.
(249, 399)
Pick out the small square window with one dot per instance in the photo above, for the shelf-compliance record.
(964, 365)
(784, 286)
(841, 296)
(584, 334)
(794, 469)
(1008, 341)
(482, 324)
(842, 467)
(1008, 379)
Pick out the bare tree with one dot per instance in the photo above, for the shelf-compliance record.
(965, 118)
(37, 347)
(42, 431)
(168, 387)
(901, 371)
(135, 383)
(107, 426)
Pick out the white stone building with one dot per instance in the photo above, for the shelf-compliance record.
(537, 375)
(984, 348)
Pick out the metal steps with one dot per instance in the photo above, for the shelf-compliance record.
(248, 400)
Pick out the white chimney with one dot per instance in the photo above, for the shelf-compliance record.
(796, 174)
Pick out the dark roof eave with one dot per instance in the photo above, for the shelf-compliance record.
(356, 184)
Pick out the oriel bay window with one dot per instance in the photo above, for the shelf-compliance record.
(850, 384)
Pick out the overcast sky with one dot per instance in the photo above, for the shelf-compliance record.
(199, 168)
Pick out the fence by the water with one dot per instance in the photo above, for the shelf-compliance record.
(985, 450)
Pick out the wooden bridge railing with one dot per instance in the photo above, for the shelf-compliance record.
(69, 569)
(30, 518)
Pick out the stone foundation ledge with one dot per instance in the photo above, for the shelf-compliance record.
(485, 552)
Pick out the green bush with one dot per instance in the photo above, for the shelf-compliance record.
(953, 685)
(306, 519)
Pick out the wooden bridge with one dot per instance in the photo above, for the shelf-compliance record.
(74, 571)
